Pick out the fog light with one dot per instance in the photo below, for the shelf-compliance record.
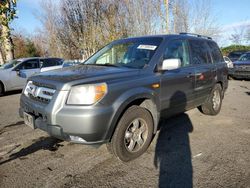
(76, 139)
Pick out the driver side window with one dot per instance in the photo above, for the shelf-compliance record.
(30, 64)
(178, 49)
(105, 58)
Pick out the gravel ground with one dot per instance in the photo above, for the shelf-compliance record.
(190, 150)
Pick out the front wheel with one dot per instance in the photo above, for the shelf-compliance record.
(133, 134)
(213, 104)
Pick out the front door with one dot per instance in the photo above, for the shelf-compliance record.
(22, 72)
(177, 86)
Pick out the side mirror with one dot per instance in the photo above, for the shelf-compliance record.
(21, 74)
(17, 72)
(171, 64)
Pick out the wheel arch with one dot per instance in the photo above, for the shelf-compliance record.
(146, 101)
(2, 84)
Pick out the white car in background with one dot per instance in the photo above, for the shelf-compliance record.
(14, 74)
(228, 62)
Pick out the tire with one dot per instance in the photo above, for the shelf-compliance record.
(213, 104)
(1, 89)
(133, 134)
(230, 78)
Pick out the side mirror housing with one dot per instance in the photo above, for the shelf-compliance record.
(21, 74)
(17, 72)
(171, 64)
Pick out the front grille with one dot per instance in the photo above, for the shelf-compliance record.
(242, 68)
(39, 84)
(242, 72)
(39, 92)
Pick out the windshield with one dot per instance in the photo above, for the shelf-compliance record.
(126, 54)
(245, 57)
(10, 64)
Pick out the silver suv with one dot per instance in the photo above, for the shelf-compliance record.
(119, 94)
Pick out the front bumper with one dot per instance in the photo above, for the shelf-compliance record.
(239, 73)
(89, 123)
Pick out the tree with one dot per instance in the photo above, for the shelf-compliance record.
(25, 47)
(231, 48)
(75, 26)
(7, 14)
(247, 35)
(240, 35)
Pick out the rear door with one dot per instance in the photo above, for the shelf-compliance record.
(205, 70)
(50, 64)
(219, 63)
(177, 86)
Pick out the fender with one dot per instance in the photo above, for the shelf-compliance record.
(128, 98)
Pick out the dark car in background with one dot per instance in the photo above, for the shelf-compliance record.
(241, 67)
(235, 55)
(69, 63)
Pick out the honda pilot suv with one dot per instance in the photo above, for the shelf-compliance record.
(119, 94)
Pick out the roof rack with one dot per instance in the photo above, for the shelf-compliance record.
(197, 35)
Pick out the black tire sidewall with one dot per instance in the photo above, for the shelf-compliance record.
(117, 142)
(1, 89)
(211, 109)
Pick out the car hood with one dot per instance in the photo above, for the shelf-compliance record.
(241, 63)
(82, 74)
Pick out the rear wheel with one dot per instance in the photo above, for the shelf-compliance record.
(213, 104)
(133, 134)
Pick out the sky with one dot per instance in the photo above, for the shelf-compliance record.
(230, 14)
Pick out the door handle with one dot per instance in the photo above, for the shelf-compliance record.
(198, 74)
(190, 75)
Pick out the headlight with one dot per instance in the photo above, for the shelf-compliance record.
(87, 94)
(230, 65)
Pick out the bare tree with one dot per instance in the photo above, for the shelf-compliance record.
(203, 21)
(240, 34)
(75, 26)
(180, 16)
(247, 35)
(1, 57)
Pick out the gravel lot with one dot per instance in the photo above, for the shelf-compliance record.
(191, 150)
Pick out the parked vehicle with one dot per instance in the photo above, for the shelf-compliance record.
(68, 63)
(228, 62)
(241, 68)
(119, 94)
(14, 74)
(235, 55)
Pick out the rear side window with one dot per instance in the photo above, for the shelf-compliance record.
(200, 52)
(178, 49)
(215, 52)
(50, 62)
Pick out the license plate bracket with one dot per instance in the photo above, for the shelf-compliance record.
(29, 120)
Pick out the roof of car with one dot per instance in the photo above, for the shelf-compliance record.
(185, 35)
(168, 36)
(30, 58)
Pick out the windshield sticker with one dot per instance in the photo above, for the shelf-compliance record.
(146, 47)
